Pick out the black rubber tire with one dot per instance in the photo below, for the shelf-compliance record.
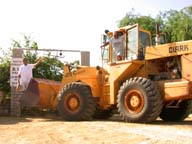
(102, 114)
(86, 105)
(177, 114)
(150, 105)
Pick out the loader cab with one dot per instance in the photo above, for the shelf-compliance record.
(135, 42)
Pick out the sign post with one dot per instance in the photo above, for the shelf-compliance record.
(17, 60)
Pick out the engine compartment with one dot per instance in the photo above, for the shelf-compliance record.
(168, 68)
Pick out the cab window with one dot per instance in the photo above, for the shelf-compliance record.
(132, 43)
(144, 41)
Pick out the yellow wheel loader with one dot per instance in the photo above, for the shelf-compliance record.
(150, 81)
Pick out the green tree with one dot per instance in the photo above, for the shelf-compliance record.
(146, 22)
(51, 69)
(5, 72)
(177, 24)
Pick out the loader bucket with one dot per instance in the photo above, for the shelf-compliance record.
(41, 93)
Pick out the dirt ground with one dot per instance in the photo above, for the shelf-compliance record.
(53, 130)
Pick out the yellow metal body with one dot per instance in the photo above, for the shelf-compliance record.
(168, 65)
(167, 50)
(119, 72)
(41, 93)
(105, 82)
(173, 89)
(88, 75)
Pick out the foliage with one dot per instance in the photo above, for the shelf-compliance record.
(5, 72)
(176, 24)
(5, 77)
(146, 22)
(5, 56)
(16, 44)
(51, 69)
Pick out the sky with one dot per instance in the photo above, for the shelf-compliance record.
(71, 24)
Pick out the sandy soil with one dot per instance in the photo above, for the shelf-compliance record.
(53, 130)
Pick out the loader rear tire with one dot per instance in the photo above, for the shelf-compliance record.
(75, 102)
(177, 114)
(139, 100)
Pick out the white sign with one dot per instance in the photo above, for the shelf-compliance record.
(15, 64)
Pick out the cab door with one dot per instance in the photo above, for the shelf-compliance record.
(132, 43)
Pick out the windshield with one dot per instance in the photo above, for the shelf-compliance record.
(144, 41)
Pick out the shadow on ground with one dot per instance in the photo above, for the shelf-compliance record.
(8, 120)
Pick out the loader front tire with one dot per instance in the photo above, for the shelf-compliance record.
(177, 114)
(139, 101)
(75, 102)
